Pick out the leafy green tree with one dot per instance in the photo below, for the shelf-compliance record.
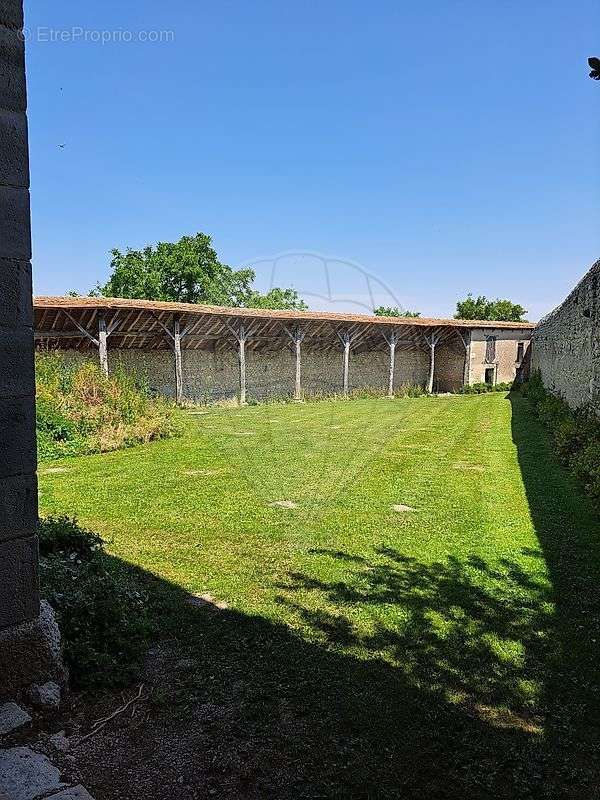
(188, 271)
(394, 311)
(276, 298)
(482, 308)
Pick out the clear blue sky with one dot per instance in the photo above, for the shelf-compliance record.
(446, 147)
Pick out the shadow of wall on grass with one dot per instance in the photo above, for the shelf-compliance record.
(568, 530)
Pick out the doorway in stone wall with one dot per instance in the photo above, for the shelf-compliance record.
(490, 375)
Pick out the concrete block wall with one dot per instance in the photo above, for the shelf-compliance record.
(19, 599)
(566, 344)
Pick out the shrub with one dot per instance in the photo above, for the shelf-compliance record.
(552, 410)
(374, 392)
(366, 393)
(476, 388)
(485, 388)
(80, 410)
(586, 466)
(566, 437)
(102, 611)
(57, 435)
(65, 535)
(534, 389)
(575, 432)
(410, 391)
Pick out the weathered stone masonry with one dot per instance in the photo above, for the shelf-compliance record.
(29, 636)
(210, 376)
(19, 599)
(566, 344)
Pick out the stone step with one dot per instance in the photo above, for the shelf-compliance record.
(76, 793)
(12, 717)
(27, 775)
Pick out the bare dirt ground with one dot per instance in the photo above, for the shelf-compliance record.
(172, 743)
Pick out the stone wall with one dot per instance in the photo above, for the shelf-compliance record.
(566, 345)
(19, 601)
(449, 367)
(210, 376)
(29, 640)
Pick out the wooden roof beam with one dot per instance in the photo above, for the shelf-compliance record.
(80, 328)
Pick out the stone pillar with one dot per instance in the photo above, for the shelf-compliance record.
(28, 640)
(467, 369)
(19, 600)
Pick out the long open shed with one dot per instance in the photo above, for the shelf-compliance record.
(199, 352)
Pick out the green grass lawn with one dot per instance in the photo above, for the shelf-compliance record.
(449, 650)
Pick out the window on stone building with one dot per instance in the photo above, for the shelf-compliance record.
(490, 349)
(520, 351)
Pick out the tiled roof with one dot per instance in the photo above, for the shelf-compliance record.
(73, 304)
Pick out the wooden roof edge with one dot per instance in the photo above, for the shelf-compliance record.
(113, 303)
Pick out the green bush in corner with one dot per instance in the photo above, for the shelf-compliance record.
(80, 410)
(101, 609)
(576, 433)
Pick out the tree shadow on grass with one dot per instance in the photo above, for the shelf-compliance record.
(459, 678)
(428, 705)
(465, 645)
